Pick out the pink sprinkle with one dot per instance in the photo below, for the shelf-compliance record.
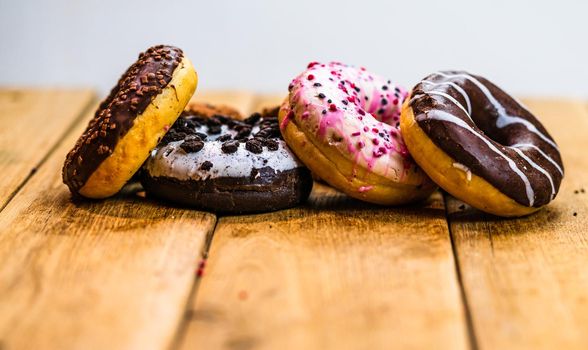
(310, 77)
(365, 188)
(333, 72)
(357, 133)
(166, 127)
(375, 130)
(395, 102)
(351, 99)
(377, 153)
(360, 144)
(332, 107)
(366, 129)
(305, 115)
(376, 141)
(361, 111)
(312, 64)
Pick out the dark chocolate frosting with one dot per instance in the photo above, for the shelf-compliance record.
(489, 133)
(265, 190)
(137, 87)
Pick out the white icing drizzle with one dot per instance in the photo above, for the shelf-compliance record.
(444, 116)
(465, 169)
(456, 87)
(529, 145)
(503, 118)
(540, 169)
(450, 98)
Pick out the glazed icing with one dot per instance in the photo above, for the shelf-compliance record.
(503, 142)
(172, 161)
(355, 112)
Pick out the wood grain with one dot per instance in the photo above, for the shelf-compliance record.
(33, 121)
(333, 274)
(113, 274)
(526, 280)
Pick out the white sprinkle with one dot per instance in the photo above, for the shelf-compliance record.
(465, 169)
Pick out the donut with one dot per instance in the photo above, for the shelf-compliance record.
(480, 144)
(343, 123)
(127, 125)
(213, 160)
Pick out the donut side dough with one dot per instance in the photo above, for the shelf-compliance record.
(476, 191)
(149, 127)
(338, 171)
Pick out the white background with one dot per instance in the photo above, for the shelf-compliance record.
(527, 47)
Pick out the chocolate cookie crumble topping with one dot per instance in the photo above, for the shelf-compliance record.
(115, 116)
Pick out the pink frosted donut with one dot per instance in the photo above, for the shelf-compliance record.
(343, 123)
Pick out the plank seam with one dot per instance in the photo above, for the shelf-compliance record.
(86, 108)
(473, 341)
(184, 322)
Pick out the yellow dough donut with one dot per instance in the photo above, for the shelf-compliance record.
(147, 100)
(342, 123)
(480, 145)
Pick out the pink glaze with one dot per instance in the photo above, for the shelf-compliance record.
(354, 111)
(363, 189)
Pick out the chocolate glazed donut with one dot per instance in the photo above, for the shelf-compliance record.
(486, 133)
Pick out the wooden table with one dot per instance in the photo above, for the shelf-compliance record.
(131, 273)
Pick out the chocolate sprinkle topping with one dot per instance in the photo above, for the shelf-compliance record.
(115, 116)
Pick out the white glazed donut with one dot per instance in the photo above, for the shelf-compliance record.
(213, 160)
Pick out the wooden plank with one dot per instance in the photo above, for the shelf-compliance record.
(113, 274)
(33, 121)
(333, 274)
(526, 280)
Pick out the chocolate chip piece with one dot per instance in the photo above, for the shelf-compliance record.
(254, 118)
(225, 137)
(191, 124)
(192, 138)
(213, 122)
(221, 118)
(201, 135)
(172, 136)
(271, 144)
(262, 134)
(269, 132)
(230, 146)
(238, 126)
(243, 133)
(184, 128)
(207, 165)
(214, 130)
(254, 146)
(192, 146)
